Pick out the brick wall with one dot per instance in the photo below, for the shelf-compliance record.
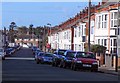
(114, 60)
(100, 58)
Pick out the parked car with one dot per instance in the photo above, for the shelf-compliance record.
(8, 51)
(46, 58)
(12, 50)
(58, 55)
(2, 54)
(37, 51)
(84, 60)
(67, 59)
(38, 57)
(34, 49)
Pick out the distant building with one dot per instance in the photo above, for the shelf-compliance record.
(28, 40)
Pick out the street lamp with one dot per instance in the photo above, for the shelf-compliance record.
(50, 32)
(116, 63)
(50, 29)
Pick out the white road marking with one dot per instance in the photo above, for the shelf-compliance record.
(19, 58)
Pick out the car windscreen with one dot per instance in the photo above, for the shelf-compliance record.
(61, 52)
(70, 54)
(40, 54)
(85, 55)
(37, 50)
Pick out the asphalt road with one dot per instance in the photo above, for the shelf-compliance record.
(22, 67)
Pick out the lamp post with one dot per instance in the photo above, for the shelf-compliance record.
(116, 63)
(50, 33)
(44, 37)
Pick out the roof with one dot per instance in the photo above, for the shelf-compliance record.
(107, 4)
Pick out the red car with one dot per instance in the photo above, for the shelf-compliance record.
(84, 60)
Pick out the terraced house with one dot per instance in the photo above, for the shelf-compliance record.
(73, 33)
(107, 26)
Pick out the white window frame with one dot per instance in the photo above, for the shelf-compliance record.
(101, 21)
(113, 19)
(79, 31)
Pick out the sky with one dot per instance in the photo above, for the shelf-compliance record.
(39, 13)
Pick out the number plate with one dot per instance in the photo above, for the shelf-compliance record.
(86, 65)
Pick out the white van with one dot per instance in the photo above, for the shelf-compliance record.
(2, 54)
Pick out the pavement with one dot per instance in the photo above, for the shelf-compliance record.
(109, 70)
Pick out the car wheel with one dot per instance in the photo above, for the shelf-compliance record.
(3, 58)
(42, 62)
(60, 65)
(71, 67)
(37, 61)
(64, 65)
(74, 67)
(53, 64)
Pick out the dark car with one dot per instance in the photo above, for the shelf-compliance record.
(84, 60)
(8, 51)
(45, 58)
(58, 55)
(67, 59)
(38, 57)
(37, 51)
(12, 49)
(34, 49)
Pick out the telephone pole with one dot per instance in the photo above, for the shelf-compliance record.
(89, 17)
